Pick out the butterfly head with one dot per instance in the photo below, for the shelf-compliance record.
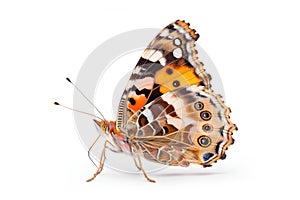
(107, 127)
(109, 132)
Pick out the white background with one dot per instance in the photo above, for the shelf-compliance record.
(254, 45)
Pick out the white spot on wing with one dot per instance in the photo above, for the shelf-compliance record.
(148, 114)
(188, 45)
(177, 53)
(146, 82)
(163, 61)
(152, 54)
(187, 36)
(177, 42)
(147, 53)
(181, 30)
(156, 56)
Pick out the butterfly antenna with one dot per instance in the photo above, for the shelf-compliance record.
(79, 111)
(85, 97)
(89, 150)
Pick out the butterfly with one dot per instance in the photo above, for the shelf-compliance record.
(169, 113)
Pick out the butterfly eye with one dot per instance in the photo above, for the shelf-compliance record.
(198, 105)
(105, 128)
(176, 83)
(205, 115)
(207, 127)
(204, 141)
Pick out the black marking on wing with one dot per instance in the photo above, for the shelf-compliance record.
(142, 120)
(212, 103)
(223, 156)
(132, 101)
(220, 115)
(170, 58)
(207, 156)
(200, 95)
(154, 94)
(166, 129)
(218, 146)
(143, 61)
(148, 68)
(171, 28)
(221, 131)
(144, 91)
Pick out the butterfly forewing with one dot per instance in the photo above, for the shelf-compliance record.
(169, 62)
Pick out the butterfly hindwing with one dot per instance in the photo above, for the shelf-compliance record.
(186, 125)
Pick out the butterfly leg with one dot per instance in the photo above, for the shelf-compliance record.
(89, 151)
(135, 162)
(140, 164)
(101, 163)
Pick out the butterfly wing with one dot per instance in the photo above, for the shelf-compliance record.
(168, 107)
(186, 125)
(169, 62)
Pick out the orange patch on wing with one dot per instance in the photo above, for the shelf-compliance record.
(182, 74)
(138, 101)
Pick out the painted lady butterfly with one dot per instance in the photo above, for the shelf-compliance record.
(168, 112)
